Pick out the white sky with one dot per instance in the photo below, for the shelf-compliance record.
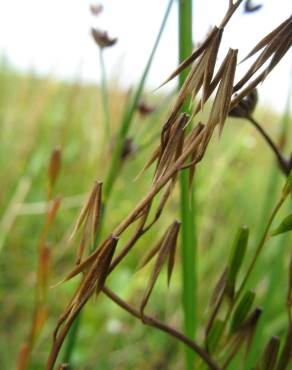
(52, 36)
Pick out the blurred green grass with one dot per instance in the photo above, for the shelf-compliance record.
(38, 114)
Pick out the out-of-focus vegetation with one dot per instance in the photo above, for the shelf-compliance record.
(232, 188)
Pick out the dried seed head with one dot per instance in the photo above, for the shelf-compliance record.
(96, 9)
(274, 45)
(221, 105)
(102, 39)
(129, 148)
(145, 109)
(166, 251)
(246, 106)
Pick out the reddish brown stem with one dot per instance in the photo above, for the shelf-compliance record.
(151, 321)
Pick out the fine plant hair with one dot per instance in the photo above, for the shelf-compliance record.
(182, 148)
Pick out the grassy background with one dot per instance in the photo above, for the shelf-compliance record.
(232, 188)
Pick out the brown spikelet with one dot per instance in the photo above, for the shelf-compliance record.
(153, 251)
(84, 265)
(268, 38)
(221, 105)
(89, 218)
(277, 42)
(152, 159)
(248, 328)
(172, 251)
(168, 243)
(169, 152)
(192, 58)
(105, 264)
(102, 39)
(95, 277)
(210, 66)
(54, 167)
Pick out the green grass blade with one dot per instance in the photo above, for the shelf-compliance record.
(189, 279)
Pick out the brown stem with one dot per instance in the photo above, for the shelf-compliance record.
(283, 162)
(231, 9)
(151, 321)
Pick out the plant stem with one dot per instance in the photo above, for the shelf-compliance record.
(150, 321)
(104, 95)
(259, 247)
(188, 250)
(283, 162)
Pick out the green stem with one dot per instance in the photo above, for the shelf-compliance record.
(104, 95)
(259, 247)
(189, 278)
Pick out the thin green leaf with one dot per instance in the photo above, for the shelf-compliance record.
(285, 226)
(236, 258)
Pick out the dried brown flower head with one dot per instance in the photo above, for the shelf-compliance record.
(102, 39)
(96, 9)
(144, 108)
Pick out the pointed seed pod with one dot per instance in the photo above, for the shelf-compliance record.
(242, 311)
(236, 258)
